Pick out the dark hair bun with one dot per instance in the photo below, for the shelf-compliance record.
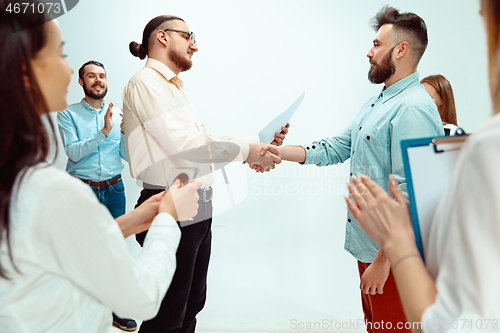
(137, 50)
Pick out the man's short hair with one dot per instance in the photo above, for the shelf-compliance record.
(81, 71)
(406, 27)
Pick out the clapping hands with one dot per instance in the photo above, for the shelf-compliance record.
(384, 219)
(108, 120)
(181, 202)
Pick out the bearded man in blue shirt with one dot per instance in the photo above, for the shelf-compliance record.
(403, 110)
(95, 147)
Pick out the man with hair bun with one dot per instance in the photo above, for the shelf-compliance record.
(402, 110)
(161, 125)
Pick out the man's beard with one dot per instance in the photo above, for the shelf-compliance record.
(379, 73)
(183, 63)
(93, 94)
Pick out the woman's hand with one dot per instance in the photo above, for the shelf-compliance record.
(181, 201)
(384, 219)
(140, 219)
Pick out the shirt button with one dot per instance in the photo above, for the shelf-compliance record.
(368, 137)
(360, 128)
(307, 148)
(314, 147)
(349, 220)
(351, 173)
(373, 105)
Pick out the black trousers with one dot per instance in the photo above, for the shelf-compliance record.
(187, 293)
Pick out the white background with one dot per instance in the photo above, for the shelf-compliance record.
(278, 256)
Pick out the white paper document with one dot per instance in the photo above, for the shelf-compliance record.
(267, 134)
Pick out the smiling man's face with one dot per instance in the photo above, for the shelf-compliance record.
(94, 82)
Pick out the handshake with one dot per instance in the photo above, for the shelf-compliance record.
(264, 157)
(181, 202)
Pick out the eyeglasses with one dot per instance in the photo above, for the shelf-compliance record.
(192, 38)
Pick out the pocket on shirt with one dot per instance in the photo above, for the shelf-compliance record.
(375, 162)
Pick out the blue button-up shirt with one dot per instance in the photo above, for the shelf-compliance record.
(91, 155)
(372, 142)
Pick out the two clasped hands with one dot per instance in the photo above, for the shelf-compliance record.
(264, 157)
(181, 202)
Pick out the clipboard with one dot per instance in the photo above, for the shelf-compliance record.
(428, 165)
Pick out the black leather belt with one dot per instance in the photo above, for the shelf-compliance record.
(206, 194)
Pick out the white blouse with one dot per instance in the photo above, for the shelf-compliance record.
(452, 128)
(75, 268)
(464, 244)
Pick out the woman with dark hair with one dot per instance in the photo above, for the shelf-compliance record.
(439, 88)
(457, 288)
(64, 263)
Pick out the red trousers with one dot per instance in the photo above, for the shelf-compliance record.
(383, 312)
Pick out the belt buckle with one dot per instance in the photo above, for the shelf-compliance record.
(205, 191)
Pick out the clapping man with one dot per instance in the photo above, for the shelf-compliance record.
(95, 146)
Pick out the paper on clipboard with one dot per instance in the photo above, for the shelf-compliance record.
(267, 134)
(429, 164)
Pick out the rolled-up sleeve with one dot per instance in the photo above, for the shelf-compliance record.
(331, 150)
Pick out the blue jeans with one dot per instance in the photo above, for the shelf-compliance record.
(113, 197)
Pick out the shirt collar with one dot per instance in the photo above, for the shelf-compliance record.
(87, 106)
(161, 68)
(399, 86)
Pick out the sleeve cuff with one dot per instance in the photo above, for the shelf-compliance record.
(244, 144)
(312, 154)
(100, 137)
(163, 224)
(245, 150)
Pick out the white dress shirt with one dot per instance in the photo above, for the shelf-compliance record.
(75, 268)
(464, 245)
(163, 131)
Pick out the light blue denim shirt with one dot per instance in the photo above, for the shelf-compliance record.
(372, 142)
(91, 155)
